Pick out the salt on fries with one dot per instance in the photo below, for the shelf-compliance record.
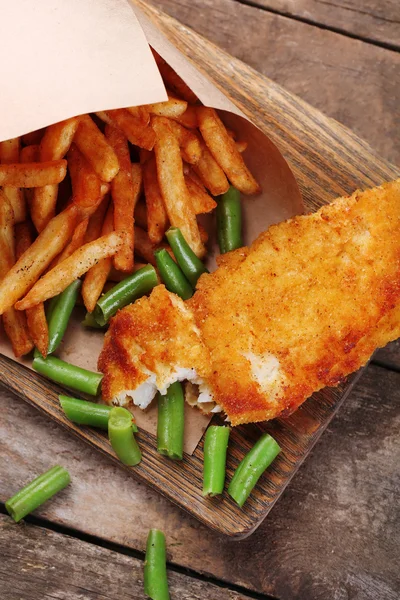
(119, 210)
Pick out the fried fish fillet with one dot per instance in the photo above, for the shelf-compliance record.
(305, 305)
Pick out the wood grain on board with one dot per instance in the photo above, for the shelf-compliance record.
(47, 565)
(389, 356)
(335, 529)
(376, 20)
(351, 81)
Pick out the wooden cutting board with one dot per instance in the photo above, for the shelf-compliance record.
(328, 160)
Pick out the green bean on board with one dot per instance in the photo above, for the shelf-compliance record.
(229, 221)
(69, 375)
(121, 427)
(215, 447)
(59, 313)
(155, 567)
(83, 412)
(170, 423)
(190, 264)
(171, 275)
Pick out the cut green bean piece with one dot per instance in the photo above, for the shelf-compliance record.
(155, 567)
(120, 433)
(59, 314)
(190, 264)
(215, 447)
(229, 221)
(37, 492)
(69, 375)
(249, 471)
(125, 292)
(83, 412)
(171, 420)
(90, 321)
(172, 276)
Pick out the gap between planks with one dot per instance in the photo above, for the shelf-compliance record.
(137, 554)
(324, 26)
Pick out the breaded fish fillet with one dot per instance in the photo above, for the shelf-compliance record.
(305, 305)
(149, 345)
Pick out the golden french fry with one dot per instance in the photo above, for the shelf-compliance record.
(76, 242)
(96, 221)
(188, 142)
(54, 145)
(143, 246)
(94, 146)
(29, 175)
(224, 151)
(37, 258)
(125, 190)
(135, 130)
(97, 276)
(33, 137)
(116, 276)
(10, 153)
(16, 329)
(140, 112)
(145, 155)
(203, 234)
(241, 146)
(35, 316)
(173, 81)
(86, 186)
(173, 108)
(157, 217)
(172, 184)
(83, 259)
(140, 215)
(29, 154)
(201, 201)
(210, 173)
(189, 117)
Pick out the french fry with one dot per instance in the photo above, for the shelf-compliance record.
(76, 242)
(35, 316)
(53, 146)
(241, 146)
(14, 323)
(143, 246)
(96, 221)
(33, 137)
(225, 152)
(189, 143)
(83, 259)
(157, 217)
(116, 276)
(140, 214)
(94, 146)
(189, 117)
(145, 155)
(125, 190)
(97, 276)
(173, 81)
(31, 175)
(37, 258)
(173, 108)
(135, 130)
(29, 154)
(140, 112)
(201, 201)
(210, 173)
(86, 185)
(9, 153)
(203, 234)
(172, 184)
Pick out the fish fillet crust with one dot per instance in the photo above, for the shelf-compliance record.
(302, 307)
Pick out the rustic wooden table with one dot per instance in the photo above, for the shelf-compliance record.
(335, 532)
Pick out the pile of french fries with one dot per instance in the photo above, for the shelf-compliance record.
(87, 196)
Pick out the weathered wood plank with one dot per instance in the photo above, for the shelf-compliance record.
(376, 20)
(356, 83)
(390, 356)
(38, 564)
(334, 532)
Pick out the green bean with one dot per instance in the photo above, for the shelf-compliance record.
(252, 467)
(190, 264)
(120, 433)
(125, 292)
(59, 314)
(155, 566)
(170, 424)
(69, 375)
(37, 492)
(90, 321)
(84, 412)
(229, 221)
(215, 447)
(171, 275)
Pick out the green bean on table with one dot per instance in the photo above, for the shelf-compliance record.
(172, 276)
(69, 375)
(215, 447)
(83, 412)
(125, 292)
(170, 423)
(253, 465)
(155, 567)
(59, 313)
(229, 221)
(190, 264)
(37, 492)
(121, 427)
